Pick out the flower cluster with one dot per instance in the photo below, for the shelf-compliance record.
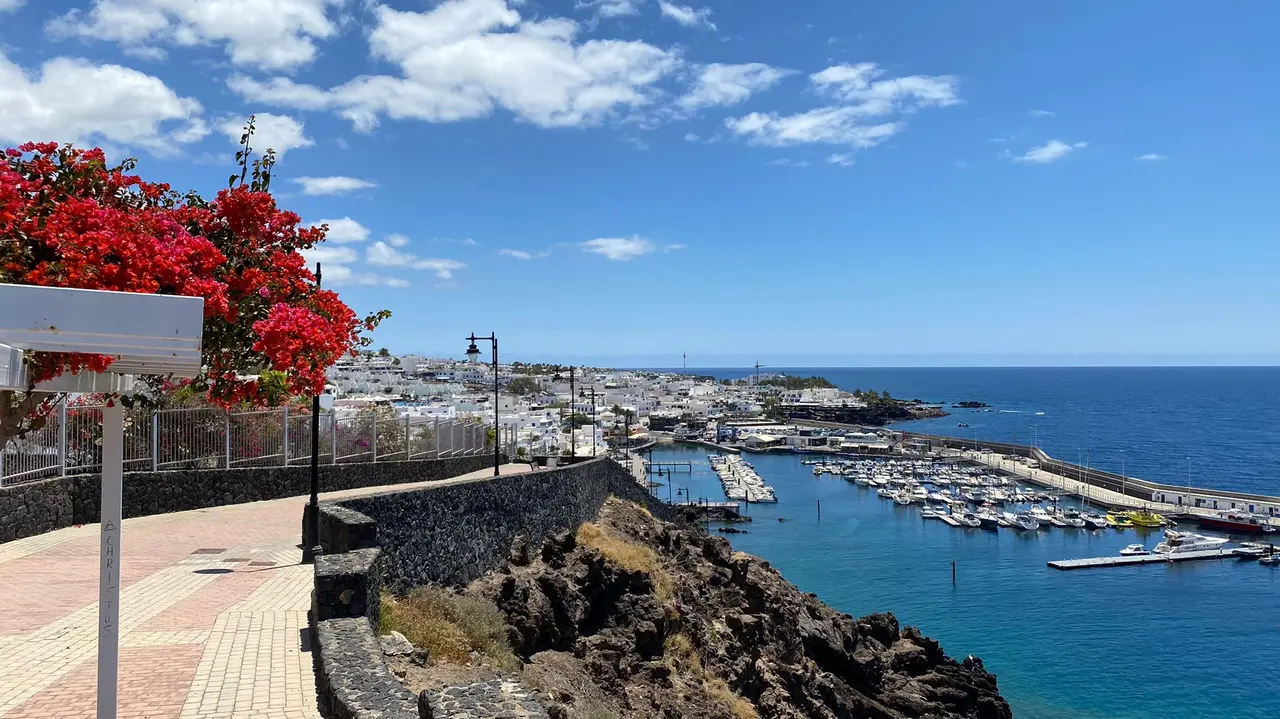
(69, 220)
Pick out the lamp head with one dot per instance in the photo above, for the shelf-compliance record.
(473, 352)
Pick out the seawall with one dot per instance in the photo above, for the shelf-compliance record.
(449, 533)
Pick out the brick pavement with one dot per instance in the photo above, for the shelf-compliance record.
(213, 616)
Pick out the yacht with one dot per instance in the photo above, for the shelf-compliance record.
(885, 492)
(1133, 550)
(1094, 521)
(1147, 519)
(903, 498)
(1271, 560)
(1183, 542)
(988, 519)
(928, 512)
(1120, 520)
(1042, 517)
(1070, 518)
(1024, 520)
(968, 519)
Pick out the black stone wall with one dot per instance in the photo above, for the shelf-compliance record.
(448, 533)
(43, 506)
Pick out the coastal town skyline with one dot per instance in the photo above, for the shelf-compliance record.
(624, 180)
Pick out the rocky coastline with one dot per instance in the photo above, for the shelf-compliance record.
(631, 617)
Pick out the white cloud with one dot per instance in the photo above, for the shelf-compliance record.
(397, 240)
(271, 132)
(719, 84)
(523, 255)
(622, 249)
(1151, 157)
(342, 275)
(73, 100)
(265, 34)
(330, 255)
(1051, 151)
(690, 137)
(830, 125)
(858, 84)
(7, 5)
(611, 8)
(465, 58)
(343, 230)
(383, 254)
(863, 97)
(687, 16)
(334, 185)
(1041, 113)
(841, 160)
(787, 162)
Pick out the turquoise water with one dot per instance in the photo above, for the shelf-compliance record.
(1192, 640)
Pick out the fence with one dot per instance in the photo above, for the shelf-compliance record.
(70, 441)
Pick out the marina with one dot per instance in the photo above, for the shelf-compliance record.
(739, 479)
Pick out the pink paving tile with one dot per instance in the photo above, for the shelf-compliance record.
(201, 610)
(154, 682)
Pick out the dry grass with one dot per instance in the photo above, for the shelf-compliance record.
(630, 555)
(449, 626)
(680, 654)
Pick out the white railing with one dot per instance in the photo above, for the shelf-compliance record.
(70, 440)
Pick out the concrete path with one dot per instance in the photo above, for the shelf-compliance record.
(213, 616)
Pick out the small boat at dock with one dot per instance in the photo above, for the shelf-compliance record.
(1133, 550)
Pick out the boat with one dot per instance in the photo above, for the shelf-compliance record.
(928, 513)
(989, 519)
(1042, 517)
(1271, 560)
(902, 499)
(1119, 521)
(1134, 550)
(885, 492)
(1183, 542)
(1143, 518)
(968, 519)
(1095, 521)
(1024, 520)
(1237, 522)
(1070, 518)
(962, 425)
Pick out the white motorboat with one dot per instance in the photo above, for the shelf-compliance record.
(1024, 520)
(1271, 560)
(988, 519)
(1070, 518)
(968, 519)
(1183, 542)
(1042, 517)
(1095, 521)
(903, 499)
(1133, 550)
(885, 492)
(936, 496)
(919, 494)
(928, 513)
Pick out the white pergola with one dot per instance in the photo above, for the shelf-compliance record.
(147, 335)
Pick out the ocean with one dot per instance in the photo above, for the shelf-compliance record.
(1191, 640)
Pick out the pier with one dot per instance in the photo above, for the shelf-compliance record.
(1119, 561)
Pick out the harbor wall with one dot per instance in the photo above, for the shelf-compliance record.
(448, 533)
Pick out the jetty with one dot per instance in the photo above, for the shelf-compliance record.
(740, 481)
(1121, 561)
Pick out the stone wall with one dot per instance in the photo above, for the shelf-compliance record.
(43, 506)
(449, 533)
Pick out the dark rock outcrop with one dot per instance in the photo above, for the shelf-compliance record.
(709, 632)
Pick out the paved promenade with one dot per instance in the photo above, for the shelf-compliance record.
(213, 616)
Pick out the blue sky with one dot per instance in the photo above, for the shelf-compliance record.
(808, 183)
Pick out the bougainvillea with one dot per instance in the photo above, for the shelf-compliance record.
(67, 219)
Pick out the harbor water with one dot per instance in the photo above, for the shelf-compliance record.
(1193, 640)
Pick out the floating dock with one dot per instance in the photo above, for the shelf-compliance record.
(1119, 561)
(949, 519)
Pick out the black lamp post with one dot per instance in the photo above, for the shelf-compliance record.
(573, 435)
(310, 543)
(473, 356)
(583, 395)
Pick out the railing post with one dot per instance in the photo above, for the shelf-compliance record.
(374, 443)
(437, 434)
(62, 437)
(226, 435)
(408, 434)
(333, 436)
(155, 440)
(285, 451)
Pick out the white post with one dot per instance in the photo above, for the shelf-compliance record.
(374, 443)
(285, 422)
(226, 435)
(62, 436)
(155, 441)
(333, 436)
(109, 557)
(437, 434)
(408, 433)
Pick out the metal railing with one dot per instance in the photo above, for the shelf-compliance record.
(70, 440)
